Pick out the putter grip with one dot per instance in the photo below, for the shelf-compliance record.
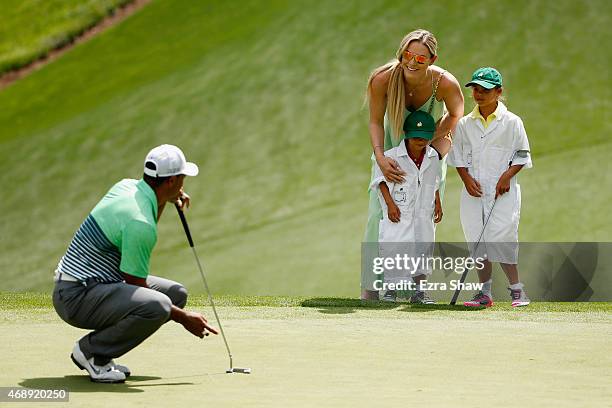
(184, 222)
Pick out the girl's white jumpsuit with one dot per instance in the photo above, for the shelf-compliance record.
(487, 153)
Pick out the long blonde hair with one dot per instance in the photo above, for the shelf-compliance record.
(396, 100)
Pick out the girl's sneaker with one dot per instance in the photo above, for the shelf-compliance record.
(479, 300)
(519, 297)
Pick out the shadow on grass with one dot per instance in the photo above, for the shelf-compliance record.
(407, 307)
(81, 383)
(347, 305)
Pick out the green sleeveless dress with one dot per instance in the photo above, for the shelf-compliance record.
(370, 251)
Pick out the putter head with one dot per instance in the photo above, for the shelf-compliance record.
(239, 370)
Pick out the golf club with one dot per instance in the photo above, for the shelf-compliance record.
(464, 274)
(231, 369)
(519, 153)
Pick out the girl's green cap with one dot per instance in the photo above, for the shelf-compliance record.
(486, 77)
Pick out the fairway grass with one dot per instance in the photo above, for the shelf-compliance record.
(31, 29)
(274, 118)
(332, 352)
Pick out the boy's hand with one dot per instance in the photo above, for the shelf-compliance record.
(394, 212)
(438, 210)
(503, 185)
(472, 186)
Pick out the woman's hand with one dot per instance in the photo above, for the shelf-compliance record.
(391, 170)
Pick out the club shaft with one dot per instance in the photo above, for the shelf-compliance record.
(201, 269)
(464, 274)
(212, 303)
(456, 294)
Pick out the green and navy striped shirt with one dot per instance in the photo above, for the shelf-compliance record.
(118, 235)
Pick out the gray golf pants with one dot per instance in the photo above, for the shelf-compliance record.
(121, 315)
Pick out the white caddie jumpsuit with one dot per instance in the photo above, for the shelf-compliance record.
(487, 154)
(414, 234)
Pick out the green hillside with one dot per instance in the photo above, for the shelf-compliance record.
(30, 29)
(268, 101)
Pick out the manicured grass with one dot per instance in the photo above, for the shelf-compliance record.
(333, 354)
(37, 300)
(267, 100)
(29, 29)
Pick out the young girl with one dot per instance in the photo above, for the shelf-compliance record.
(490, 148)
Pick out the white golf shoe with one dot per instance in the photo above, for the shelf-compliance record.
(104, 374)
(124, 369)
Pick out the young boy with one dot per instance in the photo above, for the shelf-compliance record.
(489, 149)
(412, 207)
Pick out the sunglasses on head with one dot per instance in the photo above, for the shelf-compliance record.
(420, 59)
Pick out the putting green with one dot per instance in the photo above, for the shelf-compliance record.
(335, 357)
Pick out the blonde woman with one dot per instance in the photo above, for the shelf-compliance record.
(408, 83)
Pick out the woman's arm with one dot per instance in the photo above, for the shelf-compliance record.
(450, 91)
(378, 105)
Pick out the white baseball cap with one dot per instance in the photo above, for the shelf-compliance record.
(168, 160)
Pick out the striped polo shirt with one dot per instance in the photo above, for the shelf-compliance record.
(117, 236)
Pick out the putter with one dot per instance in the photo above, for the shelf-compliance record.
(231, 368)
(464, 274)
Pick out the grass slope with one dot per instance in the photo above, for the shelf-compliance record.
(30, 29)
(268, 101)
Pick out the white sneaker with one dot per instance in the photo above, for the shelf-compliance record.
(519, 297)
(422, 297)
(390, 296)
(103, 374)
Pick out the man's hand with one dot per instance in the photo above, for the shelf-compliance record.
(194, 323)
(472, 186)
(503, 185)
(394, 212)
(438, 209)
(183, 200)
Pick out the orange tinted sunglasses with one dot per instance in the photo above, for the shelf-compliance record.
(420, 59)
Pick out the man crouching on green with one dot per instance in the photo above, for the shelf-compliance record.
(102, 283)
